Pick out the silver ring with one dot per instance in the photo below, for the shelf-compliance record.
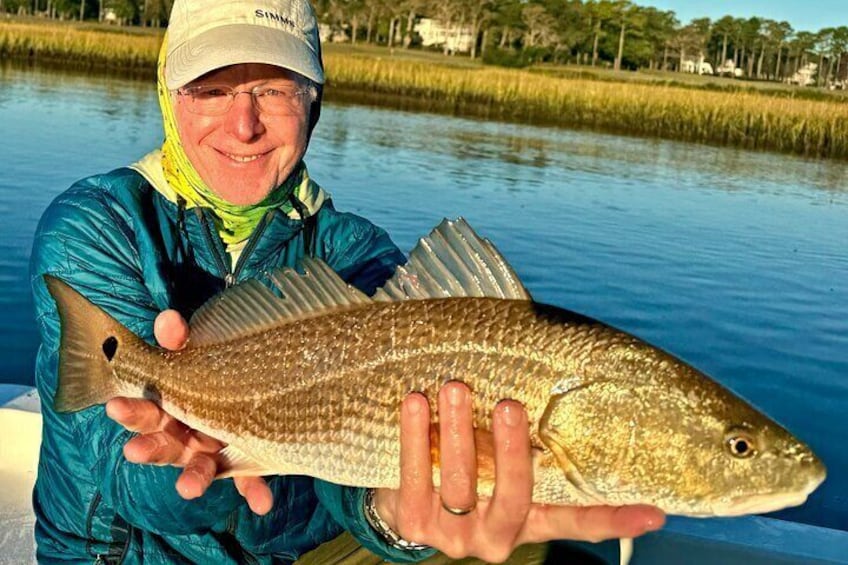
(459, 511)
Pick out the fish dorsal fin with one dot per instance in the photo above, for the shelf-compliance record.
(453, 261)
(251, 307)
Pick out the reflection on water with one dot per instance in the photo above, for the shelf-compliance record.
(735, 261)
(638, 158)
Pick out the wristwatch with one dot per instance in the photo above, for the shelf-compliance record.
(379, 525)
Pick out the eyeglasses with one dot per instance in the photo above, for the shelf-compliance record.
(216, 99)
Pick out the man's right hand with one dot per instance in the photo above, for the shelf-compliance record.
(164, 440)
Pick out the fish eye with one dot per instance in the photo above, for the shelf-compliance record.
(110, 347)
(740, 444)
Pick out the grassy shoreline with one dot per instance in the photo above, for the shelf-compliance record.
(749, 118)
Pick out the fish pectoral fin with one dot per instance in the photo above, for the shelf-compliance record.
(589, 495)
(233, 462)
(625, 550)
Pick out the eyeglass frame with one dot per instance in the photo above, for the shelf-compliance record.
(309, 90)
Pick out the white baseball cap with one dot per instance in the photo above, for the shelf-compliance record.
(204, 35)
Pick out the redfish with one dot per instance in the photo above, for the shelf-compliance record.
(306, 377)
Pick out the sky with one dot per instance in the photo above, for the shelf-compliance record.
(811, 15)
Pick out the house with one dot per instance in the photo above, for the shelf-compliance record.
(455, 39)
(700, 67)
(804, 76)
(328, 33)
(729, 68)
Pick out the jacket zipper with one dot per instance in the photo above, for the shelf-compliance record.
(98, 557)
(217, 252)
(95, 502)
(251, 243)
(230, 277)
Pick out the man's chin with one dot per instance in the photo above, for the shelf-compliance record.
(243, 191)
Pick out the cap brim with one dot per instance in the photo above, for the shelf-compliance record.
(240, 43)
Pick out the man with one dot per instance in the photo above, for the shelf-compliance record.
(227, 198)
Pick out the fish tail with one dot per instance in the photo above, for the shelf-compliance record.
(90, 341)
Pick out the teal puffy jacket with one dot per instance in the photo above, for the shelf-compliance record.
(134, 253)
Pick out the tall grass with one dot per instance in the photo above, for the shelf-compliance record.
(78, 46)
(743, 119)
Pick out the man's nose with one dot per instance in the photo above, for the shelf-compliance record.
(242, 119)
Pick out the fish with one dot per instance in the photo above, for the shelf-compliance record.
(305, 375)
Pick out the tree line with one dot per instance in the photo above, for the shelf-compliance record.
(152, 13)
(612, 33)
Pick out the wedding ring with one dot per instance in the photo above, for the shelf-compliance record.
(459, 511)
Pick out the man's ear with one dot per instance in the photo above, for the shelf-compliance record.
(315, 110)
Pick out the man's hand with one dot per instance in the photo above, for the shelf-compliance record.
(453, 520)
(163, 440)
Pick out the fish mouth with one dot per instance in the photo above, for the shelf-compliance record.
(771, 502)
(763, 503)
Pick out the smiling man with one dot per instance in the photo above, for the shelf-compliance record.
(242, 154)
(228, 198)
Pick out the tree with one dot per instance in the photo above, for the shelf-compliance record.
(355, 14)
(600, 12)
(691, 40)
(840, 49)
(625, 13)
(822, 48)
(541, 26)
(506, 19)
(777, 34)
(571, 33)
(479, 13)
(658, 31)
(800, 47)
(751, 38)
(725, 28)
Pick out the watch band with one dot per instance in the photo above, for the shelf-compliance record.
(379, 525)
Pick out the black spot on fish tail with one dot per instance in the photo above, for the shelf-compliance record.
(110, 347)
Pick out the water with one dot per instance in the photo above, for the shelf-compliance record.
(735, 261)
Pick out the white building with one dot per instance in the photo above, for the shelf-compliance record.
(804, 76)
(456, 39)
(700, 67)
(327, 33)
(729, 68)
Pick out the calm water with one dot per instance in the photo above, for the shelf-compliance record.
(735, 261)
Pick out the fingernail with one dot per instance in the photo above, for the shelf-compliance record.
(511, 414)
(186, 490)
(656, 522)
(456, 395)
(413, 405)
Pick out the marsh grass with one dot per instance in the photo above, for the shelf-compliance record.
(79, 46)
(744, 118)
